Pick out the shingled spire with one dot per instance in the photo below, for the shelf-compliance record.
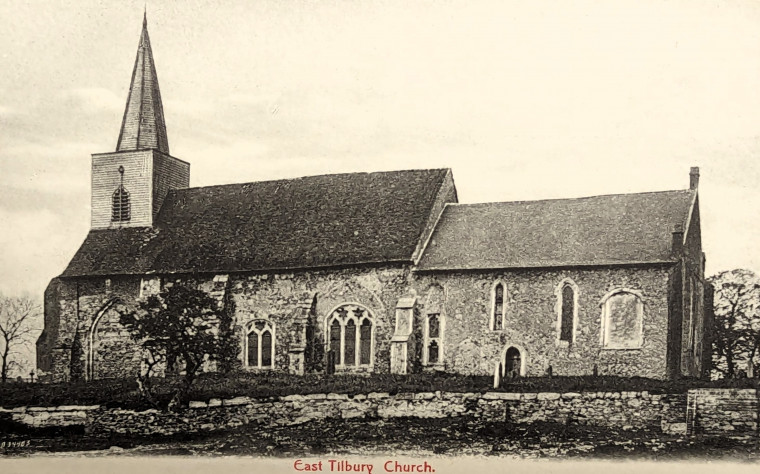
(143, 126)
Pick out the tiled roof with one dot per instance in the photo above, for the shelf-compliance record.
(317, 221)
(599, 230)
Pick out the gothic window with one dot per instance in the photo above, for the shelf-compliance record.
(350, 336)
(433, 340)
(120, 209)
(259, 345)
(622, 320)
(497, 311)
(567, 311)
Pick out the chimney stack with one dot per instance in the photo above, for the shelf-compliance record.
(694, 177)
(677, 244)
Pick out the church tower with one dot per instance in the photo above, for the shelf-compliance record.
(130, 184)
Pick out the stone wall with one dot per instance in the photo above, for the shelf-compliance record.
(626, 410)
(702, 412)
(299, 304)
(530, 324)
(723, 412)
(73, 306)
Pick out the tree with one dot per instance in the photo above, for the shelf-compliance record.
(183, 326)
(18, 325)
(736, 337)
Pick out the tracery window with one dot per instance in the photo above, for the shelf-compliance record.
(433, 339)
(350, 336)
(622, 320)
(259, 345)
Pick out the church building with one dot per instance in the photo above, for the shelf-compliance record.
(386, 272)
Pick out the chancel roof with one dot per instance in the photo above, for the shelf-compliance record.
(598, 230)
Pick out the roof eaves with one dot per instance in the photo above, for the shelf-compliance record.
(225, 271)
(416, 269)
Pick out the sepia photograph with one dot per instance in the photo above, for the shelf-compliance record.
(379, 236)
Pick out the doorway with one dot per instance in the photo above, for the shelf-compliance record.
(512, 363)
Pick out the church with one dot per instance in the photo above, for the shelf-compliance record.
(383, 272)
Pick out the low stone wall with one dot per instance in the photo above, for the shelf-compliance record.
(627, 410)
(65, 415)
(723, 412)
(705, 412)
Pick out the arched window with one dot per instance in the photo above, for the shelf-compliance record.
(622, 319)
(567, 311)
(350, 336)
(433, 348)
(120, 209)
(259, 345)
(497, 310)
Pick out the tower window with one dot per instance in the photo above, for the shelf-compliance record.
(120, 206)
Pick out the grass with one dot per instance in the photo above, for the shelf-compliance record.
(124, 393)
(454, 436)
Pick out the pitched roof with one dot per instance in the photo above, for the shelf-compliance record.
(598, 230)
(143, 125)
(316, 221)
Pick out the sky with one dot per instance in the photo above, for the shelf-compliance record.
(522, 100)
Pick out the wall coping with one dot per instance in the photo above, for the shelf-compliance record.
(401, 396)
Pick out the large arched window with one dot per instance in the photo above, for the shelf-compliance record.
(351, 336)
(567, 311)
(622, 319)
(120, 208)
(498, 299)
(259, 345)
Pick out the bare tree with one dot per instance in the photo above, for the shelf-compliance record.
(18, 326)
(736, 338)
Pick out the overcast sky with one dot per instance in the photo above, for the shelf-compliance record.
(522, 99)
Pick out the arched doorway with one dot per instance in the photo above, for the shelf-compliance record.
(513, 363)
(111, 353)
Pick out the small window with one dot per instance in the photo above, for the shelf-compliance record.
(566, 330)
(622, 320)
(259, 345)
(120, 209)
(433, 340)
(350, 336)
(497, 312)
(567, 311)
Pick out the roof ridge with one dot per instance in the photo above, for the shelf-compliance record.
(193, 188)
(493, 203)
